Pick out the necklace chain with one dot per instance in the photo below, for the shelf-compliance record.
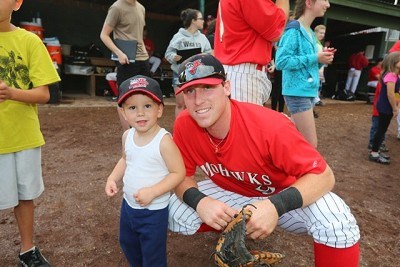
(216, 146)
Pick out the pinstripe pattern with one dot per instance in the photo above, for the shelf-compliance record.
(329, 220)
(248, 84)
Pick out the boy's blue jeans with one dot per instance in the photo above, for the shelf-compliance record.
(143, 236)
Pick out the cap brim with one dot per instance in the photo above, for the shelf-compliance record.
(138, 91)
(207, 81)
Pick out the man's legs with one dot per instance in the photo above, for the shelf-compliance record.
(329, 221)
(349, 80)
(356, 78)
(334, 229)
(325, 256)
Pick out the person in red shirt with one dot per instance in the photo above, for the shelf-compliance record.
(395, 47)
(375, 73)
(268, 165)
(150, 48)
(244, 33)
(357, 62)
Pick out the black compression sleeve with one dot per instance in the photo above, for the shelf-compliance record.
(287, 200)
(192, 197)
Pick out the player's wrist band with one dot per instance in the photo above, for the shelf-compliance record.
(287, 200)
(192, 197)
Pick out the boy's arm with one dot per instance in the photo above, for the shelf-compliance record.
(37, 95)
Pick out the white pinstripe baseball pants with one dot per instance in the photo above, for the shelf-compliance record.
(328, 220)
(248, 84)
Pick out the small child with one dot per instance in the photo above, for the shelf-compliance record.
(151, 166)
(26, 71)
(386, 105)
(375, 121)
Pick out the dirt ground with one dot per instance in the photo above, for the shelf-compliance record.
(77, 225)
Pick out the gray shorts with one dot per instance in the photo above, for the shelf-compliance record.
(20, 177)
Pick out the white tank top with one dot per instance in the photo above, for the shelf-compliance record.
(144, 168)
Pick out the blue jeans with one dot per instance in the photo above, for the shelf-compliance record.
(374, 128)
(297, 104)
(143, 236)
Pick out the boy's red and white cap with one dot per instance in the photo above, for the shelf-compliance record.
(140, 84)
(200, 69)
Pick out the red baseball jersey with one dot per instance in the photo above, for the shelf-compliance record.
(244, 30)
(262, 154)
(373, 72)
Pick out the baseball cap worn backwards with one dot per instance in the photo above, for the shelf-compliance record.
(200, 69)
(140, 84)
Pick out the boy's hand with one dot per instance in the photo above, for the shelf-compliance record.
(111, 188)
(144, 196)
(5, 92)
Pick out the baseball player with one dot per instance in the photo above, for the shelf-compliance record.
(269, 165)
(245, 31)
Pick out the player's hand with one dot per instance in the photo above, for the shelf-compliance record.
(215, 213)
(111, 188)
(263, 221)
(177, 58)
(5, 92)
(144, 196)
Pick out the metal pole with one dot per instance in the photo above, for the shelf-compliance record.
(201, 7)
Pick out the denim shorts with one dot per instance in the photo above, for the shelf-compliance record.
(297, 104)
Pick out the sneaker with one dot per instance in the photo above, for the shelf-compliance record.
(383, 155)
(383, 148)
(320, 103)
(33, 258)
(379, 159)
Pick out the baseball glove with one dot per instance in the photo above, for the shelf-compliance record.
(231, 248)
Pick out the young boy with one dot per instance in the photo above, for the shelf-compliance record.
(27, 71)
(151, 166)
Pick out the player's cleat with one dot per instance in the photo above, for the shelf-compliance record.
(379, 159)
(33, 258)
